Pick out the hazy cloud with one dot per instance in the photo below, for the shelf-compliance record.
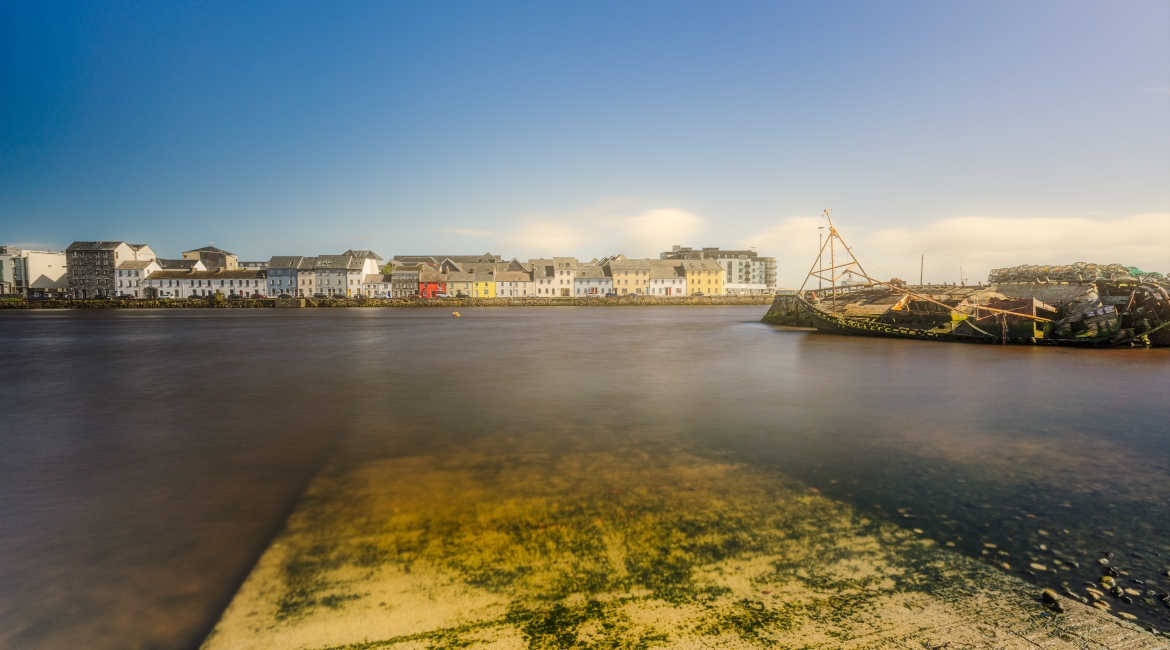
(37, 246)
(977, 244)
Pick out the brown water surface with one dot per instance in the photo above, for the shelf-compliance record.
(147, 458)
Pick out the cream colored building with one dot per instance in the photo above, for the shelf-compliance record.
(630, 277)
(460, 284)
(33, 274)
(213, 258)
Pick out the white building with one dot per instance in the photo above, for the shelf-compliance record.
(337, 275)
(131, 273)
(33, 274)
(377, 285)
(592, 282)
(667, 279)
(554, 277)
(91, 266)
(185, 284)
(513, 284)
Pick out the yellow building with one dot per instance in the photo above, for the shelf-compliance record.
(485, 282)
(704, 277)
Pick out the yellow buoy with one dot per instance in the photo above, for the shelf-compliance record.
(455, 313)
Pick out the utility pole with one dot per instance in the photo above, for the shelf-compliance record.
(921, 265)
(820, 255)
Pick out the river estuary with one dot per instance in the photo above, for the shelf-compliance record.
(149, 458)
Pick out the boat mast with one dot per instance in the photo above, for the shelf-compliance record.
(835, 271)
(832, 258)
(847, 267)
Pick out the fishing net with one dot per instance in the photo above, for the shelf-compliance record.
(1079, 272)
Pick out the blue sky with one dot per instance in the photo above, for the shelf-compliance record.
(978, 133)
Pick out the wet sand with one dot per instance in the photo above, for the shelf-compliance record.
(620, 547)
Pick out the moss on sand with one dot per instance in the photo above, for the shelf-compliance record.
(617, 549)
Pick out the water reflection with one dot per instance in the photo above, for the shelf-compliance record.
(149, 456)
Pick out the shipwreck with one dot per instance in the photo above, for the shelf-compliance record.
(1083, 305)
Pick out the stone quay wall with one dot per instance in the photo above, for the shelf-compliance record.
(142, 303)
(784, 311)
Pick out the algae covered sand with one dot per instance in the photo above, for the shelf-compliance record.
(620, 549)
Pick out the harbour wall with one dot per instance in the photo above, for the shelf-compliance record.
(261, 303)
(784, 311)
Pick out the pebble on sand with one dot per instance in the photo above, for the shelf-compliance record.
(1050, 598)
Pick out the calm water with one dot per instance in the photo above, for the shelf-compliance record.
(147, 458)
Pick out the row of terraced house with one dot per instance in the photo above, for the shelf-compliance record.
(118, 269)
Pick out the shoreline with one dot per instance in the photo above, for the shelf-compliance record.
(276, 303)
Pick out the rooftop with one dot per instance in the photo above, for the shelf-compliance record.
(363, 254)
(436, 259)
(168, 265)
(218, 274)
(338, 262)
(94, 245)
(209, 249)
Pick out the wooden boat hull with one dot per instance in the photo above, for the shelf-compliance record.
(833, 324)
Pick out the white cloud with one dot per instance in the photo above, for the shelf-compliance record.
(983, 243)
(652, 231)
(547, 238)
(607, 227)
(470, 232)
(977, 244)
